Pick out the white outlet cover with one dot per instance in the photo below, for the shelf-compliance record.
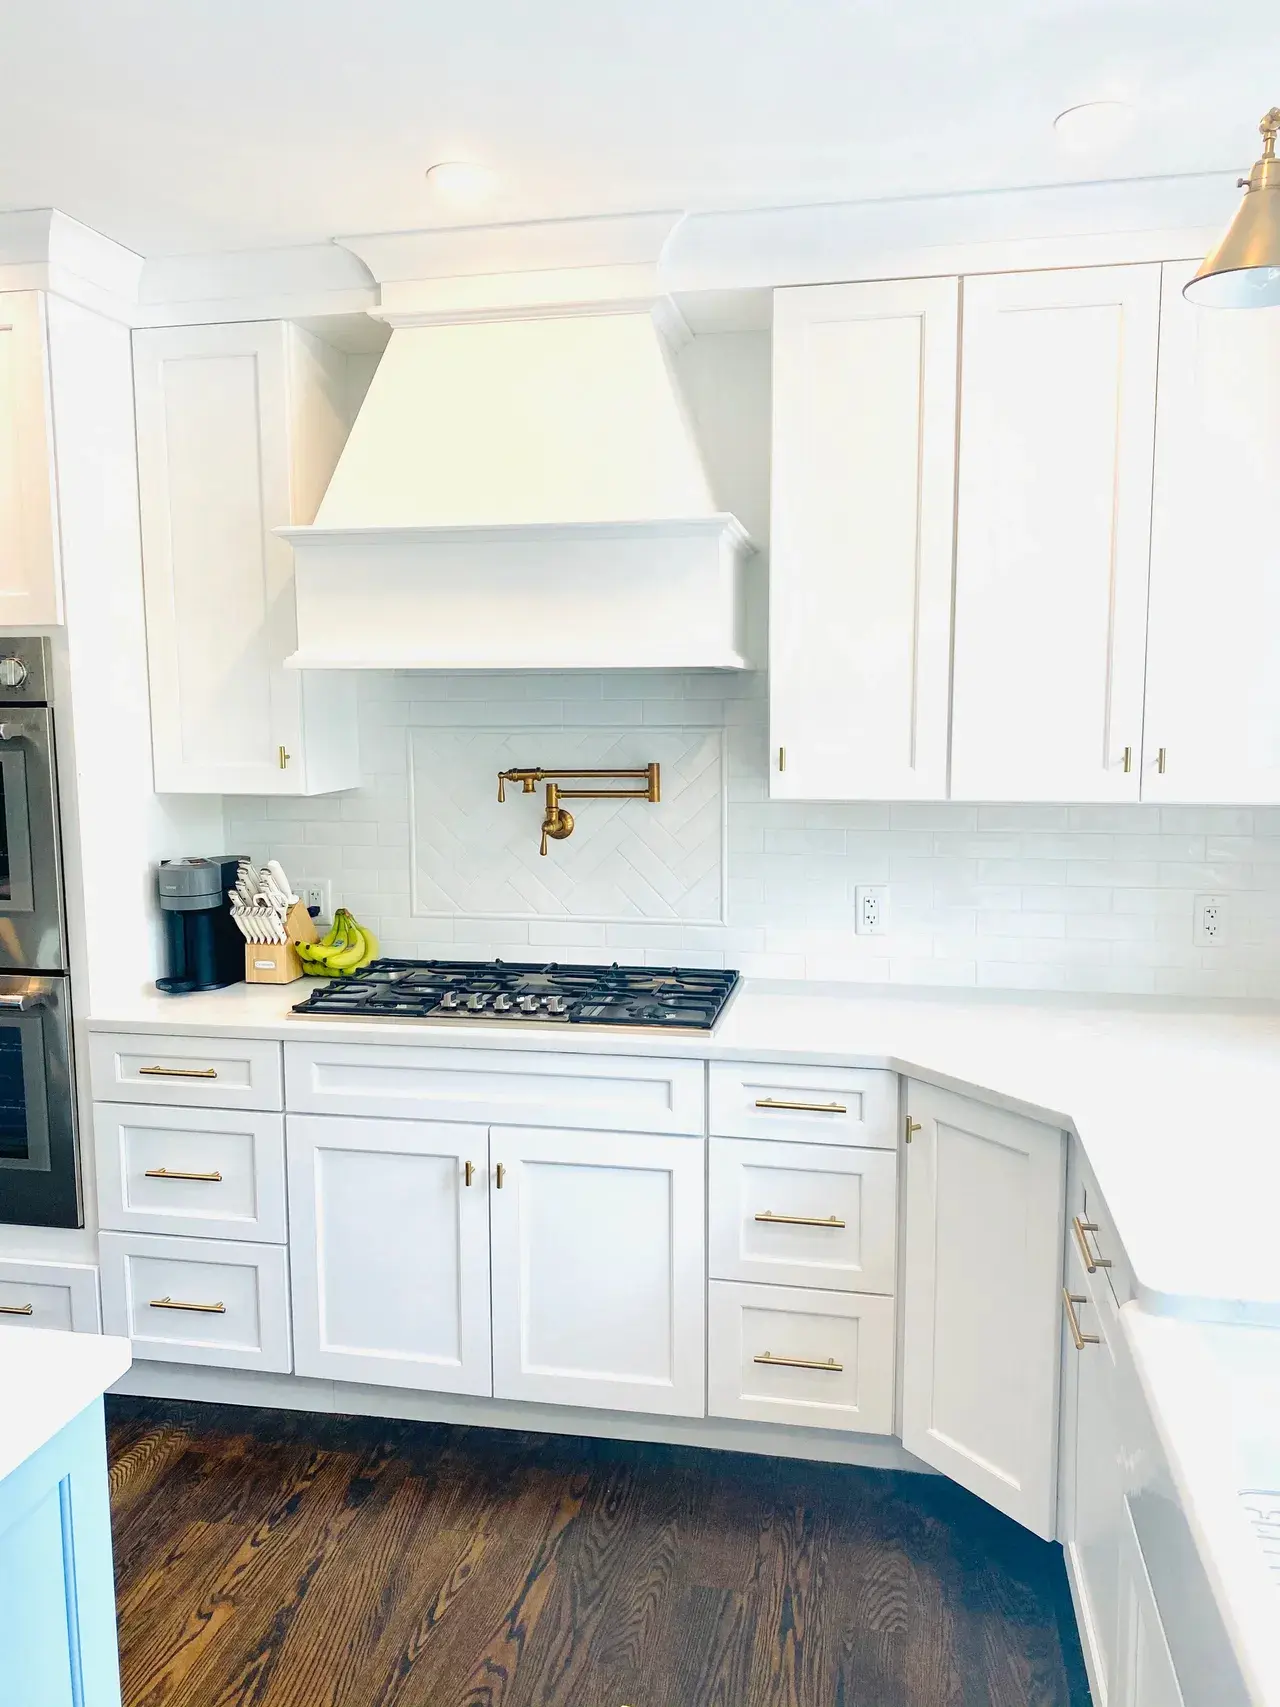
(871, 909)
(1211, 921)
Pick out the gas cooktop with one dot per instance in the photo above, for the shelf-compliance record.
(666, 998)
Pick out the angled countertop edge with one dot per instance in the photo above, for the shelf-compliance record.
(54, 1376)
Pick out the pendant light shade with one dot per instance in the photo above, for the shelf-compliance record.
(1244, 270)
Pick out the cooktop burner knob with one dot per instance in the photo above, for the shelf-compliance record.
(501, 1004)
(475, 1003)
(527, 1004)
(557, 1005)
(449, 999)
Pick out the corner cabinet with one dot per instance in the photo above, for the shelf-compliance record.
(239, 428)
(30, 571)
(981, 1311)
(864, 433)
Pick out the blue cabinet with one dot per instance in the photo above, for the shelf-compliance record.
(57, 1593)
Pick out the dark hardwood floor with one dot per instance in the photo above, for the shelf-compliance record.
(271, 1559)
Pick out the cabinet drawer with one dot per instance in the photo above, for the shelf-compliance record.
(804, 1214)
(212, 1172)
(49, 1295)
(1093, 1233)
(186, 1072)
(506, 1088)
(823, 1105)
(197, 1300)
(815, 1359)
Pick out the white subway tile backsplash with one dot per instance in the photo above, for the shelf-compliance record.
(1051, 897)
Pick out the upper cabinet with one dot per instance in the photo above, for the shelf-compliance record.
(864, 408)
(1213, 658)
(239, 428)
(1053, 533)
(30, 575)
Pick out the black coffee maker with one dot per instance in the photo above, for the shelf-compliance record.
(203, 947)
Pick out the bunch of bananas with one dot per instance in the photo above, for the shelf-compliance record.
(344, 950)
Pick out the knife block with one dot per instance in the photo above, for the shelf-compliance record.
(278, 962)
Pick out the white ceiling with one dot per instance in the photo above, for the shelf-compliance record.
(226, 124)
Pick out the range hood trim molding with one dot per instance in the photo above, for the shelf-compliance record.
(721, 524)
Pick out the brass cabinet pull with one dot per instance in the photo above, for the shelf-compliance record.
(828, 1365)
(502, 1174)
(1161, 760)
(468, 1172)
(1070, 1300)
(1128, 760)
(801, 1220)
(1091, 1261)
(913, 1126)
(17, 1310)
(179, 1072)
(284, 759)
(782, 758)
(214, 1178)
(802, 1107)
(167, 1303)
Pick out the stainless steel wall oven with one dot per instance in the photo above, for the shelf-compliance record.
(39, 1160)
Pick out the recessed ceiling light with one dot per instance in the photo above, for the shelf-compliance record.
(1095, 127)
(464, 182)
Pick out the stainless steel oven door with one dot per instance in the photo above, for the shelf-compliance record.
(31, 925)
(39, 1162)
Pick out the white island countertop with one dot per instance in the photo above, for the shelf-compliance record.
(47, 1377)
(1175, 1102)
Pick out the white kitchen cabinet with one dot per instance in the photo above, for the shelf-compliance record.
(1092, 1490)
(30, 574)
(864, 404)
(1145, 1675)
(599, 1269)
(37, 1294)
(239, 428)
(982, 1300)
(1057, 414)
(389, 1237)
(1213, 651)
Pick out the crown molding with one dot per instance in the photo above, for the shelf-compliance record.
(43, 249)
(303, 282)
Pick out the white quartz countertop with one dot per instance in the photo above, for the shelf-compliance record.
(1214, 1394)
(1175, 1102)
(47, 1377)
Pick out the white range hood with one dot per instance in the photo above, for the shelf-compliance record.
(522, 494)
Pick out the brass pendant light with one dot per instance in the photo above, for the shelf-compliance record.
(1244, 270)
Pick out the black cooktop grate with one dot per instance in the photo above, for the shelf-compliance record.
(499, 991)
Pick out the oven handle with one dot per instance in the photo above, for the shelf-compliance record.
(24, 1002)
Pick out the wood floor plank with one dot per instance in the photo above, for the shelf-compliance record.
(274, 1559)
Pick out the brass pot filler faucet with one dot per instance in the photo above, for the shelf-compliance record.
(556, 822)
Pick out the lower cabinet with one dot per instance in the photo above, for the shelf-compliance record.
(1092, 1490)
(784, 1354)
(1145, 1675)
(211, 1301)
(389, 1230)
(562, 1267)
(48, 1295)
(982, 1300)
(599, 1264)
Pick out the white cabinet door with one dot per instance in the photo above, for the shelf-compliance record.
(30, 577)
(1213, 649)
(237, 428)
(1091, 1487)
(389, 1238)
(1145, 1672)
(598, 1270)
(864, 406)
(1057, 426)
(983, 1293)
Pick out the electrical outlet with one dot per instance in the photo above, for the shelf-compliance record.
(318, 895)
(1210, 921)
(871, 909)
